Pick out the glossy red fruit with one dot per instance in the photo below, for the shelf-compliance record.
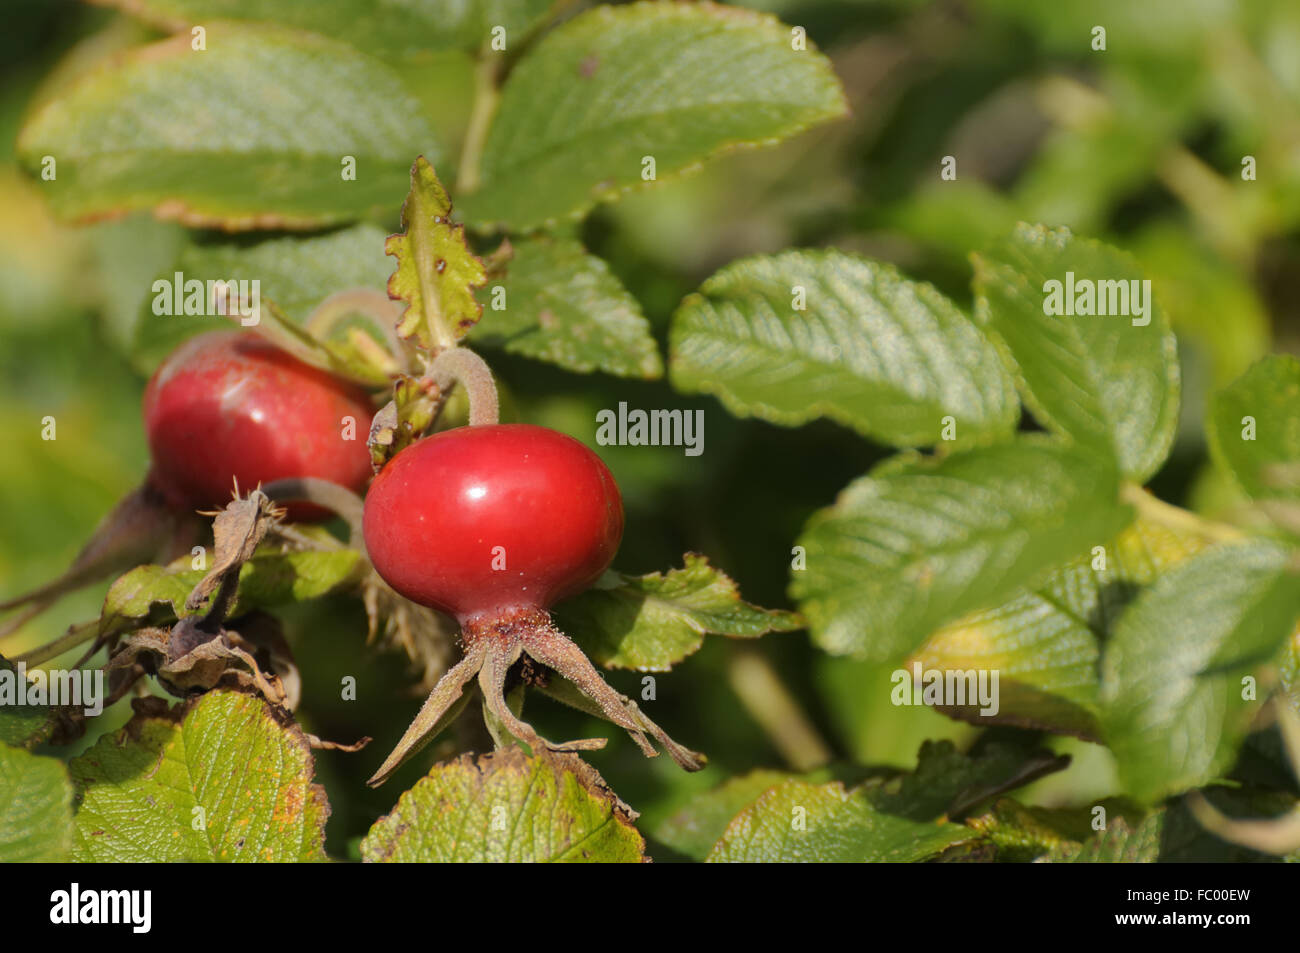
(230, 405)
(481, 519)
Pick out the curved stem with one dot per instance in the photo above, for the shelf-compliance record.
(463, 365)
(333, 497)
(366, 301)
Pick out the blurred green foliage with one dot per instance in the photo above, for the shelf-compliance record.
(1140, 145)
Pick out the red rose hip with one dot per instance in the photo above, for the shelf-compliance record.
(495, 523)
(229, 406)
(224, 406)
(481, 519)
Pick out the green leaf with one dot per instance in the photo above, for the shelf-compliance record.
(397, 29)
(1174, 719)
(902, 552)
(947, 782)
(251, 132)
(149, 592)
(228, 781)
(696, 827)
(1021, 834)
(1045, 644)
(886, 356)
(676, 82)
(1117, 844)
(278, 579)
(652, 622)
(297, 273)
(1263, 454)
(509, 807)
(1098, 379)
(565, 306)
(35, 808)
(838, 826)
(436, 272)
(22, 726)
(159, 592)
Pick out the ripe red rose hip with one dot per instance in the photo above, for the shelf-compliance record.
(230, 406)
(480, 519)
(494, 523)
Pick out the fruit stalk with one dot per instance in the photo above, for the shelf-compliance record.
(458, 364)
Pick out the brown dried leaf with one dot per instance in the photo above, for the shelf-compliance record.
(237, 531)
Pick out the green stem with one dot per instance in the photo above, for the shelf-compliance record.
(375, 305)
(486, 96)
(770, 703)
(493, 66)
(76, 635)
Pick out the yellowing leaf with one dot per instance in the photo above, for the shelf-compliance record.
(652, 622)
(507, 806)
(1045, 643)
(436, 272)
(801, 822)
(227, 782)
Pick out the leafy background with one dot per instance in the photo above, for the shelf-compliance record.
(1139, 146)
